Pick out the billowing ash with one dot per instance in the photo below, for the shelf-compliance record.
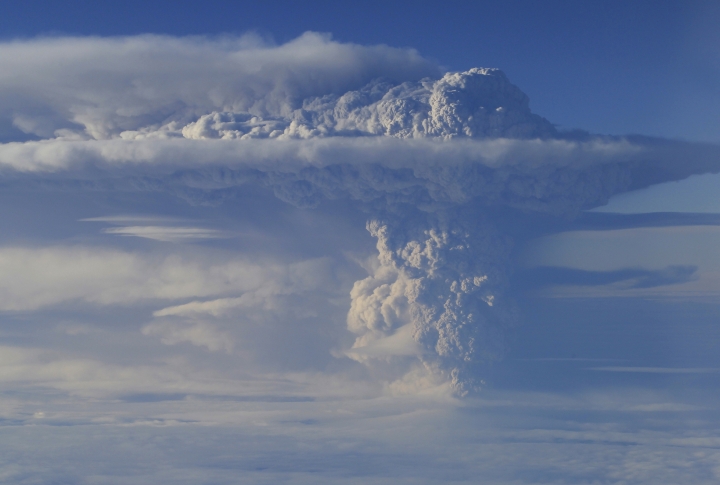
(442, 275)
(438, 293)
(424, 155)
(445, 281)
(477, 103)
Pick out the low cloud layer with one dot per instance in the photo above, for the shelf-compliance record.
(427, 155)
(33, 278)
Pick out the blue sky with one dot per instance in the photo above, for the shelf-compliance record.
(311, 242)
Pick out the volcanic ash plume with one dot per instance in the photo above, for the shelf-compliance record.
(427, 156)
(480, 102)
(442, 283)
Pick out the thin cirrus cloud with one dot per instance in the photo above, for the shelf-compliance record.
(149, 227)
(659, 370)
(167, 234)
(135, 219)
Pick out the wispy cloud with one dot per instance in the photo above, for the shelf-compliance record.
(135, 219)
(168, 234)
(659, 370)
(543, 276)
(158, 228)
(203, 334)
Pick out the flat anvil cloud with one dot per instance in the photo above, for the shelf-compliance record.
(424, 153)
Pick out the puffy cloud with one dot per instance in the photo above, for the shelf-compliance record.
(477, 103)
(101, 87)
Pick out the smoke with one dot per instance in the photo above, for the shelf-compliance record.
(98, 88)
(428, 156)
(445, 278)
(476, 103)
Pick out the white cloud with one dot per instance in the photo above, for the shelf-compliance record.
(506, 437)
(292, 155)
(45, 369)
(167, 234)
(99, 87)
(215, 308)
(166, 229)
(34, 278)
(197, 333)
